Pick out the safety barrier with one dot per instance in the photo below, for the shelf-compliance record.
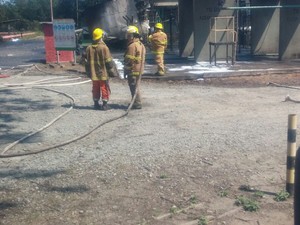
(297, 190)
(19, 35)
(291, 153)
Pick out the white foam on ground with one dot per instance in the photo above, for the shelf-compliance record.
(197, 68)
(201, 67)
(120, 67)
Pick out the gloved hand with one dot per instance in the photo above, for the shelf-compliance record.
(111, 68)
(126, 73)
(88, 71)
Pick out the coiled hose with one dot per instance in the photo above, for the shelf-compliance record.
(3, 155)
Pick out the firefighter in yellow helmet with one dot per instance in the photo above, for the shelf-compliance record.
(158, 42)
(134, 60)
(99, 66)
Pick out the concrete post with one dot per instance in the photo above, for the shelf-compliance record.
(203, 12)
(291, 153)
(265, 28)
(289, 37)
(186, 28)
(297, 190)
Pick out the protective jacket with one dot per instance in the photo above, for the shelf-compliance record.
(134, 58)
(98, 61)
(159, 42)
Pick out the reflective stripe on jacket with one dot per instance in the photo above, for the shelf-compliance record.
(159, 42)
(134, 58)
(97, 55)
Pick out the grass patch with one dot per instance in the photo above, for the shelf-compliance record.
(223, 193)
(281, 196)
(163, 176)
(174, 209)
(247, 204)
(193, 199)
(202, 220)
(245, 188)
(259, 194)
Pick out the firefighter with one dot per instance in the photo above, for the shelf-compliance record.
(158, 42)
(134, 60)
(99, 65)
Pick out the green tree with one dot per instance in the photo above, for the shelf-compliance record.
(7, 10)
(65, 9)
(33, 10)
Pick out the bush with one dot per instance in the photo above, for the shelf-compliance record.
(248, 204)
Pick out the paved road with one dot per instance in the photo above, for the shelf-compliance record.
(33, 51)
(21, 52)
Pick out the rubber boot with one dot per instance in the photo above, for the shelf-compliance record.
(96, 105)
(136, 106)
(105, 106)
(159, 73)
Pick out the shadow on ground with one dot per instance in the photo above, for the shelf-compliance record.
(29, 174)
(12, 106)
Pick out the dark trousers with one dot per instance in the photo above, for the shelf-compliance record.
(133, 82)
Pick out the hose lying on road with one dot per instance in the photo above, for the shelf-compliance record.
(43, 128)
(47, 81)
(285, 86)
(287, 98)
(3, 155)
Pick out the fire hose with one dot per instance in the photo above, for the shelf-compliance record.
(287, 98)
(3, 155)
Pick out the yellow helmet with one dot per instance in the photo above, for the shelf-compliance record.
(97, 34)
(132, 30)
(159, 26)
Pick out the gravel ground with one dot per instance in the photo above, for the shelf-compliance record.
(181, 158)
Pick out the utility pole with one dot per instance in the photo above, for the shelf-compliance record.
(77, 13)
(51, 10)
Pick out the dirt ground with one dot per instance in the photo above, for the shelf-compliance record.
(185, 158)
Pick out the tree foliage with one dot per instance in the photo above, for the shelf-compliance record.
(27, 14)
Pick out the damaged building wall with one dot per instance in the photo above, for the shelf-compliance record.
(274, 26)
(269, 31)
(265, 28)
(289, 47)
(186, 28)
(195, 27)
(111, 16)
(276, 30)
(203, 12)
